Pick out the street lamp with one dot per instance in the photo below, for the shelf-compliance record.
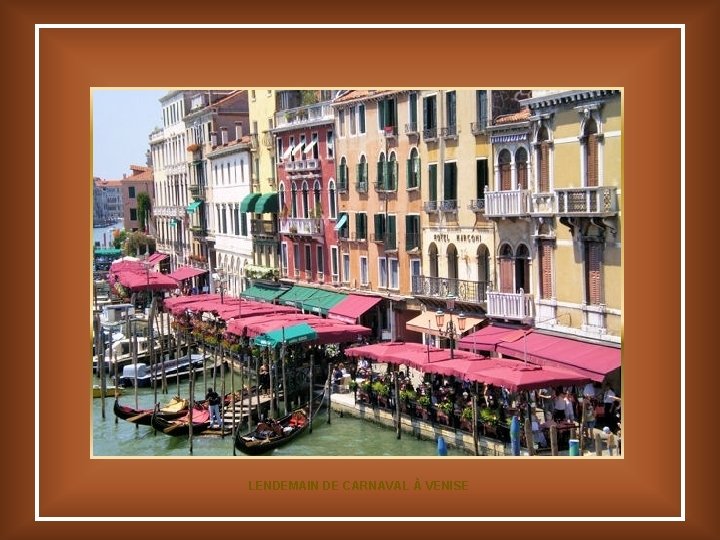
(450, 331)
(219, 277)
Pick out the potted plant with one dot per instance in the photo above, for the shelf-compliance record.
(466, 419)
(382, 391)
(352, 385)
(422, 407)
(364, 391)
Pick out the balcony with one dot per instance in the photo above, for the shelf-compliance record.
(198, 231)
(361, 186)
(413, 241)
(411, 128)
(449, 206)
(254, 144)
(430, 207)
(587, 202)
(430, 134)
(501, 204)
(473, 292)
(542, 204)
(312, 164)
(477, 205)
(263, 227)
(309, 114)
(302, 226)
(197, 192)
(478, 128)
(390, 132)
(386, 185)
(342, 185)
(345, 236)
(267, 140)
(516, 306)
(449, 132)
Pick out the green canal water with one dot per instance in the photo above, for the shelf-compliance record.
(344, 436)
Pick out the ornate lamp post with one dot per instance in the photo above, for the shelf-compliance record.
(219, 277)
(450, 330)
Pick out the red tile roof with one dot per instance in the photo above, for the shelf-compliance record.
(353, 95)
(523, 114)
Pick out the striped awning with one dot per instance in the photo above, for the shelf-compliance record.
(508, 138)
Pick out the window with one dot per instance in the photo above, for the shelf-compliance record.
(131, 192)
(284, 259)
(308, 260)
(243, 224)
(430, 117)
(320, 260)
(412, 126)
(317, 203)
(363, 271)
(432, 181)
(362, 175)
(505, 264)
(379, 223)
(450, 182)
(346, 268)
(591, 154)
(593, 273)
(279, 155)
(394, 274)
(315, 149)
(481, 178)
(415, 273)
(236, 220)
(413, 169)
(381, 172)
(505, 173)
(545, 253)
(293, 201)
(543, 161)
(344, 230)
(351, 115)
(481, 115)
(412, 232)
(343, 175)
(521, 168)
(341, 123)
(330, 143)
(332, 199)
(392, 173)
(522, 276)
(296, 259)
(387, 113)
(334, 264)
(133, 214)
(361, 119)
(391, 233)
(382, 273)
(450, 114)
(305, 201)
(360, 226)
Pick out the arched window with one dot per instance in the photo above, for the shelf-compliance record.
(521, 166)
(362, 175)
(452, 265)
(293, 201)
(591, 153)
(332, 202)
(317, 203)
(392, 172)
(343, 174)
(545, 261)
(543, 161)
(483, 267)
(504, 169)
(522, 276)
(382, 172)
(433, 255)
(305, 200)
(413, 169)
(505, 263)
(283, 204)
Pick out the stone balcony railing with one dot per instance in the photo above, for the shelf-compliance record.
(515, 306)
(587, 201)
(302, 226)
(308, 114)
(507, 203)
(438, 287)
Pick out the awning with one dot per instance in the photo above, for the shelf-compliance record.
(310, 146)
(323, 300)
(156, 258)
(341, 222)
(595, 361)
(186, 272)
(108, 252)
(297, 148)
(193, 206)
(487, 339)
(294, 334)
(262, 293)
(268, 203)
(349, 309)
(287, 152)
(248, 203)
(517, 376)
(425, 323)
(297, 296)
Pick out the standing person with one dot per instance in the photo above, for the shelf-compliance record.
(213, 400)
(589, 416)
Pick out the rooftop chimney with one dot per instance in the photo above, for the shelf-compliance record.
(238, 130)
(213, 139)
(223, 135)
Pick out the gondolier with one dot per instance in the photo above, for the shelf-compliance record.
(213, 400)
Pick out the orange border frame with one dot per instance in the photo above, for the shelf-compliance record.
(645, 62)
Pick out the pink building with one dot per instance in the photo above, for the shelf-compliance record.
(140, 180)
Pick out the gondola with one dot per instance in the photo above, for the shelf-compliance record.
(180, 427)
(175, 408)
(272, 434)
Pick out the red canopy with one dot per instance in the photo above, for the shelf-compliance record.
(349, 309)
(516, 376)
(186, 272)
(416, 355)
(487, 339)
(328, 331)
(593, 361)
(154, 281)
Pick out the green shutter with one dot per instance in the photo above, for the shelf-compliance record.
(419, 171)
(449, 183)
(409, 173)
(432, 176)
(390, 242)
(361, 113)
(381, 114)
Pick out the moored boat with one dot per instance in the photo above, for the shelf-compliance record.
(175, 408)
(199, 415)
(110, 391)
(173, 368)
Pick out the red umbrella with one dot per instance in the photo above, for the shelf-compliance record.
(515, 375)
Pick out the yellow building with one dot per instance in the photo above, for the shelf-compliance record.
(555, 198)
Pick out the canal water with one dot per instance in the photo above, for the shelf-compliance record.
(344, 436)
(104, 235)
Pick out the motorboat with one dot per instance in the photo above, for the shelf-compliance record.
(174, 368)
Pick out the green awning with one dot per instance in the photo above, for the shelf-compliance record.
(297, 296)
(267, 204)
(248, 203)
(342, 221)
(108, 252)
(297, 333)
(322, 301)
(262, 293)
(193, 206)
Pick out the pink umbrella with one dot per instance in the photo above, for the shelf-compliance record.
(515, 375)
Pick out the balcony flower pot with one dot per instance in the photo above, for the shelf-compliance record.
(193, 148)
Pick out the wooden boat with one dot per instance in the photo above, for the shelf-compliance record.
(174, 368)
(175, 408)
(272, 434)
(110, 391)
(180, 427)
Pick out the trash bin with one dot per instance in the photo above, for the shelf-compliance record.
(574, 447)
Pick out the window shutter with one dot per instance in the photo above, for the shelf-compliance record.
(505, 177)
(544, 168)
(361, 111)
(522, 175)
(506, 279)
(380, 179)
(425, 113)
(393, 165)
(594, 292)
(410, 182)
(546, 249)
(592, 160)
(417, 172)
(432, 175)
(391, 233)
(359, 172)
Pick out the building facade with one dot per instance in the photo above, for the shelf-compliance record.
(140, 181)
(107, 202)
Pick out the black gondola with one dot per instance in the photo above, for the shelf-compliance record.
(176, 408)
(180, 427)
(275, 433)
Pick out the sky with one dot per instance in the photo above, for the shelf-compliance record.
(122, 122)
